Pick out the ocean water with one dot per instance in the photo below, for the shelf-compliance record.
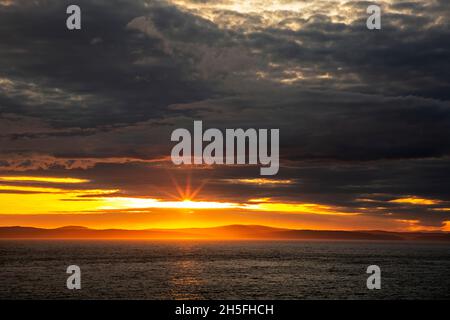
(223, 270)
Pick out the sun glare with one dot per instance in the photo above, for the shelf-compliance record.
(117, 203)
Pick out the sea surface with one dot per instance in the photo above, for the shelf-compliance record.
(31, 269)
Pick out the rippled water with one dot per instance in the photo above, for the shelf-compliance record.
(223, 270)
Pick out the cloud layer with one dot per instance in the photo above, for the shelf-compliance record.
(364, 115)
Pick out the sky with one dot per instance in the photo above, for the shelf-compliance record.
(364, 115)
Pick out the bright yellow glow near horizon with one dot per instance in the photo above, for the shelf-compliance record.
(117, 203)
(258, 200)
(48, 203)
(20, 199)
(53, 200)
(24, 189)
(42, 179)
(310, 208)
(23, 200)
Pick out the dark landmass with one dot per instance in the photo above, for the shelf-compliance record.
(235, 232)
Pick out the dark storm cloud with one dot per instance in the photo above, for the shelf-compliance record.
(361, 113)
(92, 82)
(409, 56)
(331, 125)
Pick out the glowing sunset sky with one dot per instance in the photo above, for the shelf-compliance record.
(364, 116)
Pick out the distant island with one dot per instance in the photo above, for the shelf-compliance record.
(232, 232)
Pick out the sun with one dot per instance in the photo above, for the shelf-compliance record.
(186, 194)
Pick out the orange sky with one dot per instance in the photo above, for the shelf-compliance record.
(86, 116)
(50, 202)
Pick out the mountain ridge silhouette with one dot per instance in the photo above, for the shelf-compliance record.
(229, 232)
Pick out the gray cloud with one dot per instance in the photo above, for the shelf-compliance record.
(361, 113)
